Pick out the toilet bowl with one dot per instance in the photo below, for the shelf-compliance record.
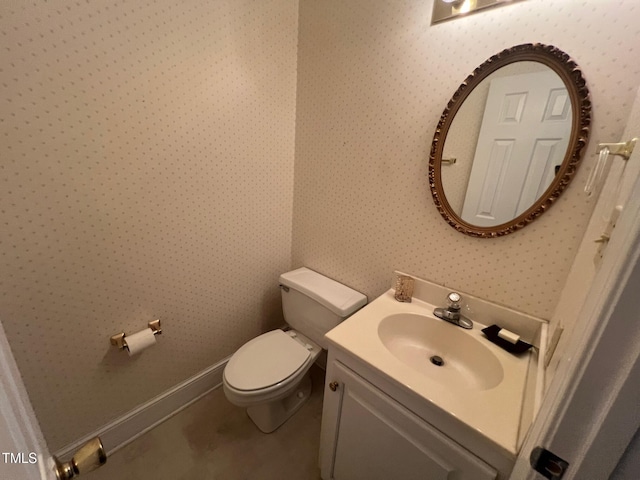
(269, 375)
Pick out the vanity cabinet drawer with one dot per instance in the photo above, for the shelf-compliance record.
(368, 435)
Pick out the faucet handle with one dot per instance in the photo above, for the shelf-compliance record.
(454, 300)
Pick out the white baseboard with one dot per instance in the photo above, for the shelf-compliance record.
(124, 430)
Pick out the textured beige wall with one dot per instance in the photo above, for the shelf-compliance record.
(146, 172)
(373, 80)
(146, 169)
(619, 183)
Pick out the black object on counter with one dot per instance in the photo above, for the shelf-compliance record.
(492, 334)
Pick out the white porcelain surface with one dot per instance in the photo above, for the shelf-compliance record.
(469, 364)
(314, 304)
(335, 296)
(242, 398)
(485, 386)
(279, 390)
(265, 361)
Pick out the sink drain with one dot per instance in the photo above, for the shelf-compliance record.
(437, 361)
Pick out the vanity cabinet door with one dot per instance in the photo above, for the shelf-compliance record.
(367, 435)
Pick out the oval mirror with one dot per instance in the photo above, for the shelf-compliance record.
(509, 141)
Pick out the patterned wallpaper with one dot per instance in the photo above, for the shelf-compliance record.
(146, 168)
(373, 80)
(615, 191)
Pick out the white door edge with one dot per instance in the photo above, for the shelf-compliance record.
(19, 429)
(597, 380)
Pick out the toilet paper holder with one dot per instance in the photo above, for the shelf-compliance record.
(117, 340)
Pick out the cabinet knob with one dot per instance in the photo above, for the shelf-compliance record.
(333, 386)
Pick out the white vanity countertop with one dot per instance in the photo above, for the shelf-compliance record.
(494, 413)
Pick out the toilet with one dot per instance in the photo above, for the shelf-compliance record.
(269, 375)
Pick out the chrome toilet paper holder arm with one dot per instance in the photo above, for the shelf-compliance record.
(117, 340)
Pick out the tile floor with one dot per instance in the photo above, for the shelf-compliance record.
(214, 440)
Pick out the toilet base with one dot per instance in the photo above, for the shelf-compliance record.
(269, 416)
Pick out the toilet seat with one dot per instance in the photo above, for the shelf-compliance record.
(265, 361)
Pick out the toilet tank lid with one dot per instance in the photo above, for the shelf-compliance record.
(335, 296)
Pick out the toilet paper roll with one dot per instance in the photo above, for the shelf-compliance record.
(139, 341)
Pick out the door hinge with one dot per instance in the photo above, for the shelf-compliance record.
(547, 464)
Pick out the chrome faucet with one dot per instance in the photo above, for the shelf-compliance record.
(451, 314)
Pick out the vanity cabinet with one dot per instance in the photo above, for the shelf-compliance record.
(366, 434)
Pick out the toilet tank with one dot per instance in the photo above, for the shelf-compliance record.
(313, 304)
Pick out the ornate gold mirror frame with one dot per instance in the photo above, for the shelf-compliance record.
(571, 75)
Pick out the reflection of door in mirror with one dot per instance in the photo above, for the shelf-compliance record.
(523, 167)
(524, 135)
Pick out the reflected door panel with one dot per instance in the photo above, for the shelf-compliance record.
(524, 135)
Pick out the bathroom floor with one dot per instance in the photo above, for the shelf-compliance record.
(213, 439)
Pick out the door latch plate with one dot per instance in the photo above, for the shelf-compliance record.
(548, 464)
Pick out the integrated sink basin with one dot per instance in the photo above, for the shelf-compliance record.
(441, 351)
(457, 376)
